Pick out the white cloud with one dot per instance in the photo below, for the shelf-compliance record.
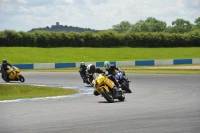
(95, 14)
(69, 1)
(22, 1)
(23, 9)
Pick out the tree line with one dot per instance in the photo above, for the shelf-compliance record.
(108, 38)
(153, 25)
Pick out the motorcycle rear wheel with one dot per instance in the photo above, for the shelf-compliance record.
(107, 96)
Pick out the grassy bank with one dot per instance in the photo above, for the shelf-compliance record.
(8, 91)
(68, 54)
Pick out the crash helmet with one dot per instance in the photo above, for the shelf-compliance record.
(4, 61)
(82, 64)
(107, 64)
(91, 68)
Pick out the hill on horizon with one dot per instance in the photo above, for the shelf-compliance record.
(58, 28)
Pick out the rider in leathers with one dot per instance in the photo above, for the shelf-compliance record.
(4, 68)
(110, 68)
(82, 71)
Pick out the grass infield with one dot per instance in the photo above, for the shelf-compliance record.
(16, 91)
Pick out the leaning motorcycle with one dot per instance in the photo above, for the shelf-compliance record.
(14, 75)
(104, 86)
(122, 80)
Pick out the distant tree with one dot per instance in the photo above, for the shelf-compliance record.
(122, 27)
(180, 26)
(197, 21)
(149, 25)
(196, 26)
(155, 25)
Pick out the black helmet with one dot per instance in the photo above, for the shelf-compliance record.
(91, 68)
(4, 61)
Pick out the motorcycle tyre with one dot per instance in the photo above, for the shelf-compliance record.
(21, 78)
(110, 98)
(3, 77)
(126, 88)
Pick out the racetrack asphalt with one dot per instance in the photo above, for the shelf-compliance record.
(159, 104)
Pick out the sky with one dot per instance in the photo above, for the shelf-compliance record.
(24, 15)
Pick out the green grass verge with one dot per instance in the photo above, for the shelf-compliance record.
(69, 54)
(8, 91)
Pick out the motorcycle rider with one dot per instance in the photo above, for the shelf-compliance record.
(4, 68)
(110, 68)
(92, 69)
(82, 71)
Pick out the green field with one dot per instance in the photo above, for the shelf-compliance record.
(8, 91)
(69, 54)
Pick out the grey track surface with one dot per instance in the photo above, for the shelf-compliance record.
(158, 104)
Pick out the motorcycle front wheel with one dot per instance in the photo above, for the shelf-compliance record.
(21, 78)
(108, 96)
(126, 87)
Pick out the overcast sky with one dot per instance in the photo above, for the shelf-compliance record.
(24, 15)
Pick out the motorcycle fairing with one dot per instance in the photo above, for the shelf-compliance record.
(13, 74)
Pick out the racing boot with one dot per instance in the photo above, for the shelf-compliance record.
(128, 80)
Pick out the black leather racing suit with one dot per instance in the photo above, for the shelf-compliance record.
(4, 68)
(111, 71)
(82, 71)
